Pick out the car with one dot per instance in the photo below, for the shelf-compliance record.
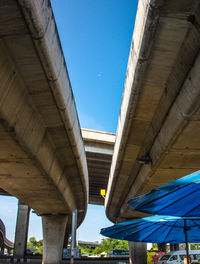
(177, 257)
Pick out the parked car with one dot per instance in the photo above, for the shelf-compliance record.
(177, 257)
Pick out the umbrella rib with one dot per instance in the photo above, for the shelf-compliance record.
(159, 229)
(146, 228)
(127, 228)
(193, 208)
(195, 221)
(178, 200)
(158, 190)
(117, 230)
(170, 229)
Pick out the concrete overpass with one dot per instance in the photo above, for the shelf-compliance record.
(4, 242)
(99, 150)
(42, 157)
(157, 138)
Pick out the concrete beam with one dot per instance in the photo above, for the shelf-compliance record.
(98, 136)
(143, 37)
(41, 147)
(160, 106)
(180, 116)
(99, 150)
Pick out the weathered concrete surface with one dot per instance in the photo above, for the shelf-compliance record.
(160, 116)
(138, 253)
(42, 157)
(53, 237)
(21, 231)
(99, 150)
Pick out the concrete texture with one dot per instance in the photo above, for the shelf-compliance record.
(21, 232)
(99, 150)
(53, 237)
(159, 115)
(138, 253)
(42, 157)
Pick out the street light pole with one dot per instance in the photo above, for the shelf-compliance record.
(73, 241)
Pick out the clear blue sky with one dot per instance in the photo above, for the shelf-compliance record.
(96, 37)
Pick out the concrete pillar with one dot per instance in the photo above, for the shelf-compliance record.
(54, 227)
(21, 231)
(138, 253)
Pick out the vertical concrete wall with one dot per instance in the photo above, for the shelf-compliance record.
(138, 253)
(21, 231)
(54, 227)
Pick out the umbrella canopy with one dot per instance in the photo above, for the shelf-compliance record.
(178, 198)
(156, 229)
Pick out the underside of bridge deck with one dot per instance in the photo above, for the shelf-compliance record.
(42, 157)
(99, 150)
(158, 132)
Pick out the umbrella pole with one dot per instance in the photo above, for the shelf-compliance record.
(186, 240)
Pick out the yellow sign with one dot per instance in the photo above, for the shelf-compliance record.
(103, 192)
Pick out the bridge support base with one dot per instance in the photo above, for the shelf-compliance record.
(138, 253)
(21, 230)
(53, 237)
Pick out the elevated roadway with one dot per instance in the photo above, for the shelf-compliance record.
(99, 150)
(4, 242)
(42, 156)
(157, 139)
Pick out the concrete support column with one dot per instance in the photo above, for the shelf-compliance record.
(138, 253)
(21, 231)
(54, 227)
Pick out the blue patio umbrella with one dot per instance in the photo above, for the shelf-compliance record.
(157, 229)
(178, 198)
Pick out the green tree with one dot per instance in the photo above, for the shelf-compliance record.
(86, 250)
(109, 244)
(32, 242)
